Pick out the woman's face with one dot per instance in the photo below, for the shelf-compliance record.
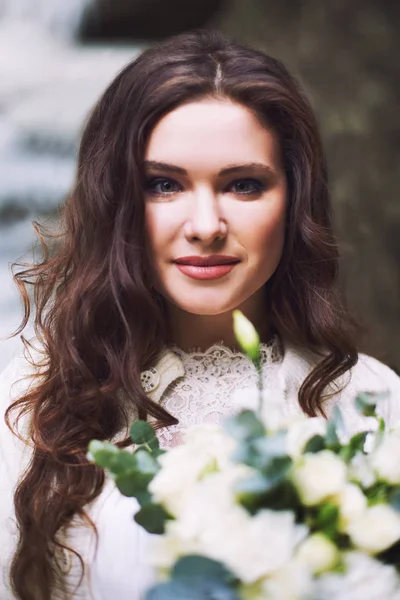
(216, 198)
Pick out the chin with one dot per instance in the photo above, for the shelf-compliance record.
(206, 307)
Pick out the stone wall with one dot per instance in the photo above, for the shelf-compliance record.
(345, 52)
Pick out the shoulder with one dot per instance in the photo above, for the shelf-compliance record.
(367, 375)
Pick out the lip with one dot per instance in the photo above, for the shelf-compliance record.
(207, 261)
(206, 271)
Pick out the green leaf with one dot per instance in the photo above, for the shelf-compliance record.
(331, 438)
(102, 453)
(366, 402)
(145, 462)
(142, 432)
(196, 566)
(245, 426)
(271, 445)
(154, 446)
(315, 444)
(121, 462)
(132, 483)
(152, 517)
(394, 499)
(355, 445)
(192, 589)
(326, 519)
(377, 494)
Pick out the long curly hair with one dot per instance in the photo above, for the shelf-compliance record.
(98, 318)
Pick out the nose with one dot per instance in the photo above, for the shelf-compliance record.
(205, 223)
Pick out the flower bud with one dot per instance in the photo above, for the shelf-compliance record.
(246, 335)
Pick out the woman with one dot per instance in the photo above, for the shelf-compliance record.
(201, 188)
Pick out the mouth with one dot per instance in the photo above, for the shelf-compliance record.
(207, 261)
(206, 267)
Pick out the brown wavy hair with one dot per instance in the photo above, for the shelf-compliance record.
(98, 318)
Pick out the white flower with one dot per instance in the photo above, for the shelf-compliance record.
(301, 431)
(376, 529)
(385, 459)
(360, 470)
(252, 546)
(291, 582)
(318, 553)
(365, 579)
(246, 335)
(318, 476)
(205, 448)
(352, 503)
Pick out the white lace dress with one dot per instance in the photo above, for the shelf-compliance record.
(121, 569)
(205, 394)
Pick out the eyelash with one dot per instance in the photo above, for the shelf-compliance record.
(258, 186)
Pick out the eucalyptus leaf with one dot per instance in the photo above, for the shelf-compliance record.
(315, 444)
(145, 462)
(198, 589)
(102, 453)
(152, 517)
(142, 432)
(272, 445)
(245, 426)
(195, 565)
(355, 445)
(331, 437)
(132, 483)
(121, 462)
(366, 402)
(394, 499)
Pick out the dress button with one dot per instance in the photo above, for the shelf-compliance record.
(150, 379)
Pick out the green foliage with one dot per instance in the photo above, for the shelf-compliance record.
(366, 402)
(197, 578)
(245, 426)
(355, 445)
(325, 519)
(142, 432)
(315, 444)
(152, 517)
(394, 498)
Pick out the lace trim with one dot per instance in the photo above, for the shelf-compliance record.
(204, 394)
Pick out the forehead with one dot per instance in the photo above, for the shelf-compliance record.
(211, 133)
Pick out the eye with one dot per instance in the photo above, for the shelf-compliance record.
(162, 186)
(247, 187)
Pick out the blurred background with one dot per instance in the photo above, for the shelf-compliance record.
(57, 56)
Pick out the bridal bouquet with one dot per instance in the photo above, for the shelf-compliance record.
(265, 506)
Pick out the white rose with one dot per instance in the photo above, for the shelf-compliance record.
(318, 476)
(376, 529)
(352, 503)
(385, 459)
(206, 448)
(364, 579)
(318, 553)
(252, 546)
(301, 432)
(360, 469)
(291, 582)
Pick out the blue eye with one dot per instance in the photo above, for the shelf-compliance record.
(162, 186)
(247, 187)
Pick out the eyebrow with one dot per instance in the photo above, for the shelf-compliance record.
(251, 166)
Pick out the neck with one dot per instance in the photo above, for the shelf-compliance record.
(202, 331)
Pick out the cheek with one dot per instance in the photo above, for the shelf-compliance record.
(159, 229)
(265, 236)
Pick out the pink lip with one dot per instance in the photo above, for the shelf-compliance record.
(206, 267)
(207, 272)
(207, 261)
